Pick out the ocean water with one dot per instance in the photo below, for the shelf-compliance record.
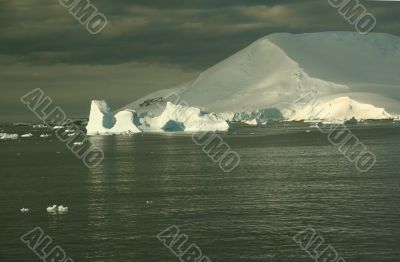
(287, 180)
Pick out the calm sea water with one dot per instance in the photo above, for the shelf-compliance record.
(287, 180)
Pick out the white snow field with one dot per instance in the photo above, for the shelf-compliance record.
(329, 76)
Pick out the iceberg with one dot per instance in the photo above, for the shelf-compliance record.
(279, 77)
(185, 118)
(126, 122)
(28, 135)
(52, 209)
(258, 117)
(173, 118)
(101, 120)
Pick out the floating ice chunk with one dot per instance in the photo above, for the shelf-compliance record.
(62, 209)
(45, 135)
(251, 122)
(27, 135)
(101, 120)
(5, 136)
(24, 210)
(78, 143)
(52, 209)
(39, 126)
(57, 127)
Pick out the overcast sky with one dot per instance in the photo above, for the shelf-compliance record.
(147, 45)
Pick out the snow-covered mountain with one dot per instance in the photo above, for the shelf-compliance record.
(331, 76)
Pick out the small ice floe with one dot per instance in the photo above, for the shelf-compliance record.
(70, 134)
(62, 209)
(57, 127)
(253, 122)
(78, 143)
(69, 131)
(52, 209)
(39, 126)
(315, 125)
(44, 136)
(149, 202)
(24, 210)
(308, 131)
(5, 136)
(28, 135)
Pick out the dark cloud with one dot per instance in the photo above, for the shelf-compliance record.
(187, 36)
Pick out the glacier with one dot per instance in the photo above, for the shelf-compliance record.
(327, 76)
